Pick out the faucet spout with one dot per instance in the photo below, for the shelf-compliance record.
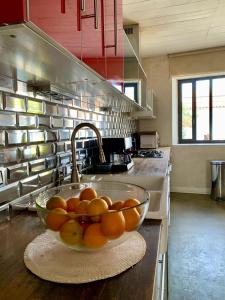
(75, 174)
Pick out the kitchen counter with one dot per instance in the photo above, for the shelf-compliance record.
(16, 282)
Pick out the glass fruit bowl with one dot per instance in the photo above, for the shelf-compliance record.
(92, 216)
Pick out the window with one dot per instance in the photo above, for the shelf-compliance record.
(201, 110)
(131, 90)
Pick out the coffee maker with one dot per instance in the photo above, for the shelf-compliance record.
(117, 153)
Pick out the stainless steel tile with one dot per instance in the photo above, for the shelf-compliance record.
(51, 162)
(62, 111)
(16, 137)
(27, 121)
(9, 192)
(29, 184)
(68, 146)
(2, 138)
(60, 147)
(88, 115)
(68, 123)
(1, 100)
(8, 155)
(14, 103)
(7, 119)
(51, 109)
(57, 122)
(2, 177)
(35, 136)
(64, 159)
(69, 102)
(45, 178)
(68, 169)
(17, 172)
(35, 106)
(82, 133)
(28, 152)
(44, 121)
(46, 149)
(51, 136)
(81, 114)
(77, 102)
(72, 113)
(64, 134)
(36, 166)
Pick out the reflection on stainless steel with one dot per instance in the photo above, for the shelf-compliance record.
(9, 192)
(62, 111)
(51, 109)
(60, 147)
(17, 172)
(72, 113)
(29, 152)
(81, 114)
(57, 122)
(64, 159)
(14, 103)
(67, 146)
(45, 178)
(44, 121)
(2, 176)
(7, 119)
(51, 136)
(82, 134)
(64, 134)
(68, 123)
(29, 184)
(1, 101)
(36, 166)
(35, 106)
(27, 121)
(51, 162)
(35, 136)
(15, 137)
(9, 155)
(46, 149)
(75, 175)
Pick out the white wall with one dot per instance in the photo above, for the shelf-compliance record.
(191, 163)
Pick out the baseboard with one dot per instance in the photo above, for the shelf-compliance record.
(189, 190)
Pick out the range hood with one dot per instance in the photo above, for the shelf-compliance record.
(28, 55)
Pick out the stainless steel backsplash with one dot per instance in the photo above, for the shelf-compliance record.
(35, 137)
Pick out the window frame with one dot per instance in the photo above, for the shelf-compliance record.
(194, 140)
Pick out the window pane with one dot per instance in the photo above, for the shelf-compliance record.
(186, 92)
(218, 93)
(202, 110)
(130, 92)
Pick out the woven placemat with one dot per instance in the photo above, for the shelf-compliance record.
(49, 260)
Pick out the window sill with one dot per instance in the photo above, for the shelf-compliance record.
(200, 144)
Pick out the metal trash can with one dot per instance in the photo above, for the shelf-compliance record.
(218, 179)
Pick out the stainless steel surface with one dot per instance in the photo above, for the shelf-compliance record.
(2, 138)
(64, 134)
(62, 111)
(75, 174)
(36, 166)
(64, 158)
(57, 122)
(60, 147)
(7, 119)
(35, 106)
(68, 123)
(35, 136)
(67, 146)
(1, 101)
(14, 103)
(28, 152)
(218, 180)
(51, 109)
(27, 121)
(16, 137)
(51, 136)
(46, 149)
(9, 155)
(9, 192)
(29, 184)
(46, 178)
(51, 162)
(73, 113)
(44, 122)
(2, 177)
(17, 172)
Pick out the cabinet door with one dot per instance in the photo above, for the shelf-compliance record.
(13, 12)
(113, 41)
(91, 37)
(58, 18)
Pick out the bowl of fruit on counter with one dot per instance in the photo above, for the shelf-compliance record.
(92, 216)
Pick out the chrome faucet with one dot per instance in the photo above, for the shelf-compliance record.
(75, 174)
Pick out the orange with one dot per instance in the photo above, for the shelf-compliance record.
(72, 204)
(56, 218)
(132, 218)
(88, 194)
(107, 199)
(56, 202)
(131, 203)
(117, 205)
(82, 207)
(97, 207)
(93, 237)
(113, 224)
(71, 233)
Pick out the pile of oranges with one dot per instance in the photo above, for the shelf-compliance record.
(89, 220)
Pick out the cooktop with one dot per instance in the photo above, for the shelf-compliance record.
(149, 153)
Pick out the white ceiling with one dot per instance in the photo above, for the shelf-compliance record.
(171, 26)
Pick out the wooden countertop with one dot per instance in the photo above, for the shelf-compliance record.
(16, 282)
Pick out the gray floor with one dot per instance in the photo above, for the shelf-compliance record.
(196, 248)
